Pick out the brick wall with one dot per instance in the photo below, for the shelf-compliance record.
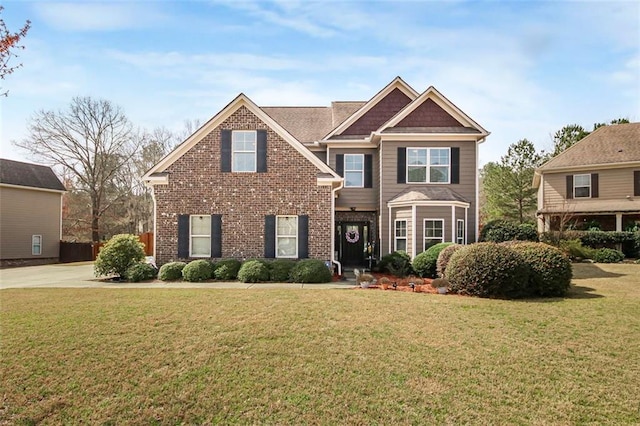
(379, 114)
(196, 186)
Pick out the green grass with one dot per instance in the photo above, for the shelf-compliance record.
(139, 356)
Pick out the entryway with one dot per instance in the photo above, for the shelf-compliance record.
(351, 238)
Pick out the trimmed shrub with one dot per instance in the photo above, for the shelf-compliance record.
(171, 271)
(310, 271)
(576, 250)
(227, 270)
(197, 270)
(444, 257)
(120, 252)
(488, 270)
(140, 272)
(397, 263)
(501, 230)
(551, 271)
(425, 263)
(253, 271)
(607, 255)
(280, 270)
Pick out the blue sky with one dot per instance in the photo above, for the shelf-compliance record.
(520, 69)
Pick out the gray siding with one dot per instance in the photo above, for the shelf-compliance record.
(613, 184)
(360, 198)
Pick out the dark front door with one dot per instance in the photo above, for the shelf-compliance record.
(353, 237)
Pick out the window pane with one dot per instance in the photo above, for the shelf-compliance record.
(353, 179)
(401, 245)
(583, 192)
(401, 228)
(244, 162)
(286, 247)
(200, 246)
(200, 225)
(353, 162)
(582, 180)
(417, 174)
(439, 174)
(287, 225)
(417, 157)
(439, 157)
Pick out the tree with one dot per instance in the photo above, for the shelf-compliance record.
(92, 141)
(507, 184)
(9, 43)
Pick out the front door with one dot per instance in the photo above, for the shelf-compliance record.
(353, 237)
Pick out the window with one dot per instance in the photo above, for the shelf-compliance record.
(243, 146)
(36, 245)
(401, 235)
(287, 236)
(582, 186)
(428, 165)
(433, 232)
(460, 231)
(354, 170)
(200, 236)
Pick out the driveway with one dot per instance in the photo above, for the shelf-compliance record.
(80, 275)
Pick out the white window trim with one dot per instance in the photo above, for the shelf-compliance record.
(395, 234)
(191, 236)
(460, 239)
(295, 256)
(428, 166)
(255, 152)
(424, 232)
(361, 171)
(582, 186)
(33, 245)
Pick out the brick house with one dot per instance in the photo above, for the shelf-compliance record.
(397, 172)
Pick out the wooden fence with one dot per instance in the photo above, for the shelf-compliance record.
(79, 252)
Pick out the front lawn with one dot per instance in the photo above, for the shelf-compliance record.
(147, 356)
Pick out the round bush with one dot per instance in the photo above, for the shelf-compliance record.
(227, 270)
(120, 252)
(280, 270)
(607, 255)
(397, 263)
(171, 271)
(551, 271)
(488, 270)
(140, 272)
(444, 257)
(310, 271)
(197, 270)
(424, 264)
(253, 271)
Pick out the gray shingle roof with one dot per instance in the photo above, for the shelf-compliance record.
(428, 193)
(618, 143)
(30, 175)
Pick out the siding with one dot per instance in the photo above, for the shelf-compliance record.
(361, 198)
(25, 213)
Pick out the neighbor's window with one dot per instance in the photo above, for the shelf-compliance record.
(428, 165)
(200, 236)
(582, 186)
(401, 235)
(287, 236)
(460, 232)
(36, 245)
(354, 170)
(433, 232)
(243, 145)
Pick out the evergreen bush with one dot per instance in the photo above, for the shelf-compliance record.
(425, 263)
(140, 272)
(280, 270)
(197, 270)
(397, 263)
(501, 230)
(171, 271)
(607, 255)
(310, 271)
(227, 270)
(444, 257)
(118, 254)
(253, 271)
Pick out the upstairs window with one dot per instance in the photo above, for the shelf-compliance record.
(428, 165)
(354, 170)
(243, 145)
(582, 186)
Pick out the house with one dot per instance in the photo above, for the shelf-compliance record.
(594, 182)
(396, 172)
(30, 214)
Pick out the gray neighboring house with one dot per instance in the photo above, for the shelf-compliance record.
(30, 214)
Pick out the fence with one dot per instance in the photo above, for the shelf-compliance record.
(79, 252)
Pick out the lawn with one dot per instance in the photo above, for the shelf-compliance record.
(155, 356)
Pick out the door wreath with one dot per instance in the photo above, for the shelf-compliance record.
(352, 236)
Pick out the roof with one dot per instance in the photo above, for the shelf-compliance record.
(612, 144)
(428, 193)
(29, 175)
(470, 130)
(595, 206)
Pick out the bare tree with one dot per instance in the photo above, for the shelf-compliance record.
(93, 141)
(9, 42)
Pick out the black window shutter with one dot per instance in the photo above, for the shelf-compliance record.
(183, 236)
(303, 237)
(216, 235)
(225, 150)
(569, 187)
(269, 236)
(455, 165)
(340, 164)
(402, 165)
(636, 183)
(594, 185)
(368, 171)
(261, 166)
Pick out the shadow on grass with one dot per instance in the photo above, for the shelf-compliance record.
(580, 292)
(583, 271)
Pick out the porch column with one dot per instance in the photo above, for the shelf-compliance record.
(619, 222)
(454, 225)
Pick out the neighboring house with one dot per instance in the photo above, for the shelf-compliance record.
(597, 180)
(30, 214)
(398, 172)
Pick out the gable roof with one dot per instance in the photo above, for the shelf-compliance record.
(607, 145)
(29, 175)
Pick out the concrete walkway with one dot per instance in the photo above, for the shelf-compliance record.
(80, 275)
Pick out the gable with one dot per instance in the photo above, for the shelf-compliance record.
(429, 114)
(379, 114)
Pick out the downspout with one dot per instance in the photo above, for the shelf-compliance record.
(334, 193)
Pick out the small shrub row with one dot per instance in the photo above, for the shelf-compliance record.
(630, 241)
(500, 230)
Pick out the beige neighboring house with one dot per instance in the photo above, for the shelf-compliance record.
(595, 180)
(30, 214)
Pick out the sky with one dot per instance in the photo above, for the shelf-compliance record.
(521, 69)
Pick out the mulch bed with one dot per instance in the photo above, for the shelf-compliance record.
(403, 284)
